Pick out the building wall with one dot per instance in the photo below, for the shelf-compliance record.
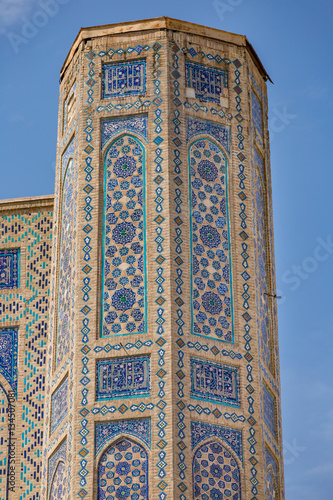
(162, 370)
(25, 260)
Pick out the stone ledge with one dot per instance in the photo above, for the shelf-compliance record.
(28, 203)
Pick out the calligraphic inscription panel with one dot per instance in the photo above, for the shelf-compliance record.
(214, 382)
(123, 377)
(124, 78)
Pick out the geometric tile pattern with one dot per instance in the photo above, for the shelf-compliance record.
(106, 431)
(256, 112)
(259, 161)
(58, 457)
(9, 268)
(123, 472)
(272, 475)
(271, 462)
(271, 491)
(214, 382)
(113, 126)
(269, 410)
(8, 355)
(261, 268)
(124, 78)
(211, 280)
(219, 132)
(122, 377)
(67, 263)
(59, 483)
(202, 430)
(124, 274)
(69, 107)
(27, 306)
(207, 82)
(59, 405)
(67, 154)
(5, 437)
(216, 474)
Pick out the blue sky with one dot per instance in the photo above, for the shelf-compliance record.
(294, 42)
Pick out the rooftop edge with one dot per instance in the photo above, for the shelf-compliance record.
(159, 23)
(27, 202)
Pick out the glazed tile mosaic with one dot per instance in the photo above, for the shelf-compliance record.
(59, 405)
(219, 132)
(271, 462)
(123, 472)
(8, 355)
(214, 382)
(207, 82)
(69, 107)
(154, 359)
(59, 483)
(9, 268)
(271, 492)
(201, 431)
(124, 79)
(67, 262)
(261, 268)
(107, 431)
(269, 410)
(215, 473)
(256, 112)
(5, 441)
(137, 124)
(211, 276)
(124, 289)
(68, 153)
(55, 475)
(123, 377)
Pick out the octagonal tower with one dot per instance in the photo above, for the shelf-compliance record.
(163, 368)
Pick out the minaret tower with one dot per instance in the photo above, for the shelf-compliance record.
(163, 368)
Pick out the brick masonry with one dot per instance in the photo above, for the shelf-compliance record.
(146, 361)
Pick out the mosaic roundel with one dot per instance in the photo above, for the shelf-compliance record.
(211, 280)
(124, 294)
(123, 472)
(59, 483)
(215, 473)
(270, 486)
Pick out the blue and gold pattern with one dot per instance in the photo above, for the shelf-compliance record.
(9, 268)
(59, 405)
(219, 132)
(58, 457)
(124, 300)
(201, 431)
(137, 124)
(67, 262)
(271, 489)
(214, 382)
(208, 82)
(8, 355)
(211, 273)
(59, 483)
(256, 112)
(216, 474)
(107, 431)
(123, 377)
(123, 472)
(124, 78)
(269, 410)
(261, 265)
(272, 475)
